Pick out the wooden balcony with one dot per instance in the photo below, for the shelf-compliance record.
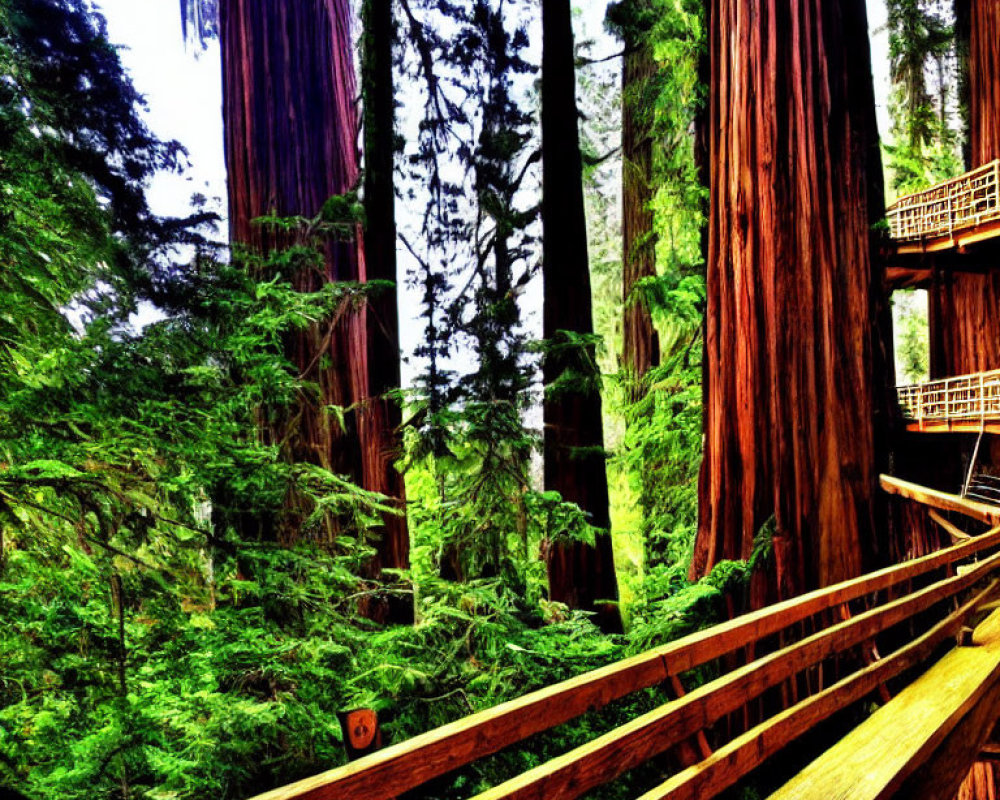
(950, 215)
(962, 404)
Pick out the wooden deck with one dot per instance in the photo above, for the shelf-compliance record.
(822, 653)
(950, 215)
(962, 404)
(918, 722)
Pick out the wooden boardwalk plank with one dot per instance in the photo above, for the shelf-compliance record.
(749, 750)
(861, 767)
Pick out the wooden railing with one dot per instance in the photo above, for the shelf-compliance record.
(964, 398)
(830, 633)
(963, 202)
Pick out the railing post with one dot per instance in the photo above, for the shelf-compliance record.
(982, 401)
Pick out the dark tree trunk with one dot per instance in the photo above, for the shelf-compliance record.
(793, 346)
(290, 134)
(379, 423)
(965, 306)
(580, 575)
(640, 343)
(964, 314)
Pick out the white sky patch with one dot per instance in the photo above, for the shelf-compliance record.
(183, 90)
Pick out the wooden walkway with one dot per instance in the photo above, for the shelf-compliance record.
(953, 214)
(963, 404)
(773, 676)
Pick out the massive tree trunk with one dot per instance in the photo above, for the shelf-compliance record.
(965, 305)
(380, 418)
(640, 344)
(291, 143)
(580, 575)
(792, 360)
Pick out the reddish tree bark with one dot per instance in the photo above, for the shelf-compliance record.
(640, 343)
(983, 29)
(792, 329)
(291, 132)
(580, 575)
(965, 305)
(381, 416)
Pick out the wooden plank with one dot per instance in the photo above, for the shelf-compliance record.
(626, 747)
(953, 426)
(917, 721)
(960, 239)
(749, 750)
(406, 765)
(937, 499)
(956, 533)
(944, 772)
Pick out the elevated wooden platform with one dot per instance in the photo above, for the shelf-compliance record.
(962, 404)
(948, 216)
(918, 723)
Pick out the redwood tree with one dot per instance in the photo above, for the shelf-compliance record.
(291, 129)
(791, 383)
(640, 343)
(290, 134)
(580, 574)
(965, 304)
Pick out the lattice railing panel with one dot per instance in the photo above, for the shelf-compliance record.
(963, 202)
(965, 398)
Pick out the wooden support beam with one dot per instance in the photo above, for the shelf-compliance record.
(956, 533)
(953, 426)
(908, 277)
(984, 512)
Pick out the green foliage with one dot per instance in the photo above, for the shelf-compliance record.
(924, 150)
(162, 638)
(912, 336)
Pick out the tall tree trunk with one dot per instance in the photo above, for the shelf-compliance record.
(793, 301)
(290, 135)
(983, 30)
(580, 575)
(640, 343)
(379, 423)
(965, 305)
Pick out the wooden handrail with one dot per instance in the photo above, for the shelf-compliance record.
(409, 764)
(982, 512)
(624, 748)
(915, 198)
(740, 756)
(973, 397)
